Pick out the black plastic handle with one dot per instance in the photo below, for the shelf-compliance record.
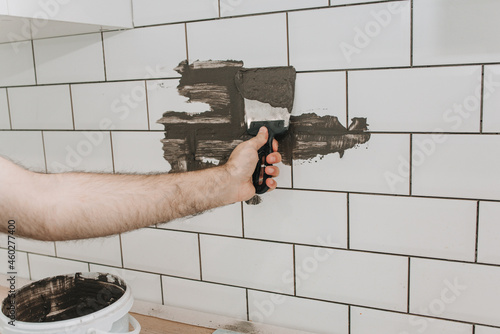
(259, 176)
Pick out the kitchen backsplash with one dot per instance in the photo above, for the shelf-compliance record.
(401, 235)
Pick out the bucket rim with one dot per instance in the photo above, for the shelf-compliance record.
(116, 310)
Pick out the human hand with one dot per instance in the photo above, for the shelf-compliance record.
(242, 162)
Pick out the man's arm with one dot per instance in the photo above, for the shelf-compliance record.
(84, 205)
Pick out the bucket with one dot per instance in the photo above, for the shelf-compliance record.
(81, 303)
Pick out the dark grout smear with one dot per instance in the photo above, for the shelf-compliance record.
(197, 141)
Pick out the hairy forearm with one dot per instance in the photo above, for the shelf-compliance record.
(83, 205)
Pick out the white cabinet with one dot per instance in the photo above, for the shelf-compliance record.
(33, 19)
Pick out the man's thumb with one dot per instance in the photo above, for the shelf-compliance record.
(261, 137)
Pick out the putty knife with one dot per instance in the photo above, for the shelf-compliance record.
(268, 96)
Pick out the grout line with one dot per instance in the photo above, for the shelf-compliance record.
(72, 108)
(348, 319)
(287, 40)
(242, 221)
(294, 271)
(329, 3)
(92, 82)
(248, 307)
(387, 194)
(370, 132)
(303, 71)
(60, 36)
(34, 63)
(147, 103)
(477, 231)
(481, 103)
(88, 267)
(339, 248)
(55, 249)
(104, 57)
(404, 67)
(121, 248)
(346, 99)
(161, 290)
(348, 223)
(411, 32)
(44, 155)
(219, 8)
(291, 170)
(408, 293)
(8, 107)
(84, 130)
(366, 3)
(410, 167)
(186, 38)
(112, 151)
(199, 255)
(29, 264)
(132, 12)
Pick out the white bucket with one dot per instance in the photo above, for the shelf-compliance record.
(113, 318)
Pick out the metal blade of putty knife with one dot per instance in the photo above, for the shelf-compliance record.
(268, 95)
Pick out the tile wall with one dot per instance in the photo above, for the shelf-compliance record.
(400, 235)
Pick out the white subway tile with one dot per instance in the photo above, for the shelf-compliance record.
(21, 267)
(163, 96)
(358, 278)
(148, 12)
(242, 7)
(78, 151)
(304, 217)
(257, 40)
(455, 31)
(106, 106)
(488, 249)
(249, 263)
(16, 67)
(456, 166)
(40, 107)
(139, 152)
(36, 246)
(98, 250)
(144, 53)
(166, 252)
(322, 93)
(297, 313)
(486, 330)
(24, 148)
(205, 297)
(452, 290)
(374, 35)
(371, 167)
(284, 179)
(446, 99)
(44, 266)
(144, 286)
(365, 321)
(491, 107)
(4, 110)
(225, 220)
(414, 226)
(69, 59)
